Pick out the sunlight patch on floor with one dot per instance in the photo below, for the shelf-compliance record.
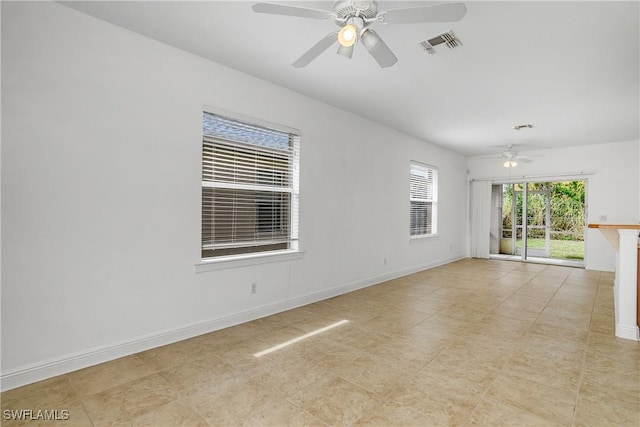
(300, 338)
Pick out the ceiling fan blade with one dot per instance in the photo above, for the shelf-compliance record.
(489, 157)
(316, 50)
(377, 48)
(281, 9)
(413, 15)
(522, 159)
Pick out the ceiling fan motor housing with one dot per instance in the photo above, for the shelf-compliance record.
(348, 8)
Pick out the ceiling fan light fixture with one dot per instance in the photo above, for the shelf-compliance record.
(369, 39)
(347, 52)
(348, 35)
(510, 163)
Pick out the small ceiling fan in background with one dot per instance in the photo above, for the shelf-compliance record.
(510, 158)
(354, 17)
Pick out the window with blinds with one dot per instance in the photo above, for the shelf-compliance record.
(249, 188)
(423, 194)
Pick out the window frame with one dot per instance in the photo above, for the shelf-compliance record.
(433, 201)
(255, 257)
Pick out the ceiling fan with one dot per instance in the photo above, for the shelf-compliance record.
(354, 17)
(510, 158)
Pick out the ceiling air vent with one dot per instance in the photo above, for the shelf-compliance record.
(447, 38)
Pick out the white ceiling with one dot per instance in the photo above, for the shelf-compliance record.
(569, 68)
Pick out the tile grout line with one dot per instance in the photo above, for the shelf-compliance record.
(80, 399)
(528, 329)
(484, 393)
(584, 358)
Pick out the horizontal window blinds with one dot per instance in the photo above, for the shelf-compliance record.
(422, 198)
(249, 187)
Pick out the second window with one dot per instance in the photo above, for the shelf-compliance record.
(423, 198)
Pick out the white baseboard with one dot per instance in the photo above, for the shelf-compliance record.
(627, 332)
(72, 362)
(359, 284)
(599, 267)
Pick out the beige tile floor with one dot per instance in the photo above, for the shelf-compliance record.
(475, 342)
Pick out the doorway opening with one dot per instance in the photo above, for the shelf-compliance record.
(539, 221)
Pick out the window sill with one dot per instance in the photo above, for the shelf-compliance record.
(236, 261)
(426, 236)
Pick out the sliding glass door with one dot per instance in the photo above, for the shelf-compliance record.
(535, 230)
(541, 220)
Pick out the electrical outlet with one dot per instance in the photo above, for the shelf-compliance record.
(385, 261)
(254, 287)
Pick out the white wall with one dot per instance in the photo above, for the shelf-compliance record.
(613, 190)
(101, 144)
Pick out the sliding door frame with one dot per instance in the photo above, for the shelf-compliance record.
(526, 179)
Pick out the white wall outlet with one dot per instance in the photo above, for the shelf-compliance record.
(254, 287)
